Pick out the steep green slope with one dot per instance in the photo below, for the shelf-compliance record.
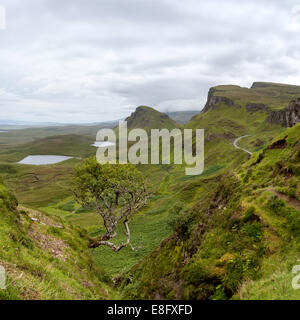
(43, 258)
(148, 118)
(241, 241)
(233, 111)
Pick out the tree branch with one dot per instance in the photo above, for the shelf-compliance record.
(94, 243)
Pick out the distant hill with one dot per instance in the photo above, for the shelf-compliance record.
(21, 135)
(27, 124)
(182, 117)
(14, 125)
(148, 118)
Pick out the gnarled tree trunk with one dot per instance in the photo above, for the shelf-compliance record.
(94, 243)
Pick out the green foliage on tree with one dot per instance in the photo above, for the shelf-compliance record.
(115, 191)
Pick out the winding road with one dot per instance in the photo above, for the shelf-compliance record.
(237, 147)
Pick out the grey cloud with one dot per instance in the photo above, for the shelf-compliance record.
(96, 60)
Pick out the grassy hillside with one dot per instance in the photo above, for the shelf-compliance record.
(44, 258)
(47, 188)
(232, 111)
(148, 118)
(274, 95)
(202, 232)
(239, 242)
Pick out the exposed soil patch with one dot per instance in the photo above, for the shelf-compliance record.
(49, 243)
(279, 144)
(37, 216)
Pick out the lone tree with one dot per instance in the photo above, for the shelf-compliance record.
(116, 191)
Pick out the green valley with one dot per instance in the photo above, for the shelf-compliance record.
(225, 234)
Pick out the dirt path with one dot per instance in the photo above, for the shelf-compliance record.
(292, 202)
(237, 147)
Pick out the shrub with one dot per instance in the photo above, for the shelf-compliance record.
(292, 192)
(219, 293)
(234, 274)
(295, 170)
(194, 273)
(253, 231)
(277, 206)
(180, 220)
(249, 215)
(293, 221)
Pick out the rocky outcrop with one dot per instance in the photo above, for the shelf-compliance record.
(287, 117)
(253, 107)
(213, 101)
(293, 113)
(277, 117)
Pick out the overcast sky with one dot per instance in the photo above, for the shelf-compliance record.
(96, 60)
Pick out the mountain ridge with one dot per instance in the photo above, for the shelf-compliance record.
(148, 118)
(264, 95)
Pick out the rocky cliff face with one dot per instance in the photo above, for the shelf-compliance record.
(253, 107)
(214, 101)
(287, 117)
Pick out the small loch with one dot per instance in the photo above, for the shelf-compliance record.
(103, 144)
(43, 159)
